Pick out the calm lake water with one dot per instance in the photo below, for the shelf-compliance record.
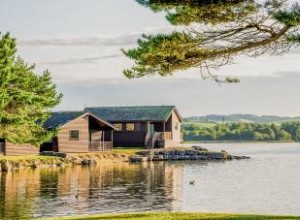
(267, 183)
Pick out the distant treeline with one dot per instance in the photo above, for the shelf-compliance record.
(287, 131)
(235, 118)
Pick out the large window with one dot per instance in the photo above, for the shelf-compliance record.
(74, 135)
(130, 127)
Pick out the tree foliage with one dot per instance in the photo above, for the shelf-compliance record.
(26, 98)
(242, 131)
(211, 33)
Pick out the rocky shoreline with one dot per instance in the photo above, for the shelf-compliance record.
(59, 160)
(193, 153)
(52, 159)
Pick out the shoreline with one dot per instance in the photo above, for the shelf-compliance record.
(11, 163)
(57, 159)
(175, 216)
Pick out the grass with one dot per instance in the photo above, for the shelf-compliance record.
(175, 216)
(127, 150)
(28, 158)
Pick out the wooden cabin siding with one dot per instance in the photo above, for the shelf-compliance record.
(20, 149)
(176, 127)
(129, 138)
(69, 146)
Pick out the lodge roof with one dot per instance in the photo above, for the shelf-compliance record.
(133, 113)
(58, 119)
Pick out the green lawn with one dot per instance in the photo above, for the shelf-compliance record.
(28, 157)
(127, 150)
(175, 216)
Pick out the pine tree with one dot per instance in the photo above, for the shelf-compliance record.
(211, 33)
(26, 98)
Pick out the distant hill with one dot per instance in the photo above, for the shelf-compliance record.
(242, 118)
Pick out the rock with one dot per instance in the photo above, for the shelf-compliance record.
(201, 157)
(191, 152)
(229, 157)
(158, 158)
(144, 153)
(62, 164)
(199, 148)
(6, 165)
(173, 157)
(60, 154)
(171, 152)
(34, 165)
(85, 162)
(240, 157)
(215, 155)
(136, 159)
(179, 152)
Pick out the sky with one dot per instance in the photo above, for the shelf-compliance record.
(79, 41)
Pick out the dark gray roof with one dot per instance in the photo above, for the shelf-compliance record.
(132, 113)
(60, 118)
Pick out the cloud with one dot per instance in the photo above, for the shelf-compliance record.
(103, 40)
(76, 61)
(121, 40)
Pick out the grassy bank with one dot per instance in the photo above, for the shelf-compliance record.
(8, 163)
(175, 216)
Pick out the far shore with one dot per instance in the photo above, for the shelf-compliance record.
(175, 216)
(241, 142)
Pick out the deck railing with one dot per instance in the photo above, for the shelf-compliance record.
(100, 146)
(2, 148)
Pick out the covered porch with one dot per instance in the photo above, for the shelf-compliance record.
(100, 134)
(161, 132)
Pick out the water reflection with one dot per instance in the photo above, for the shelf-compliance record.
(82, 190)
(267, 183)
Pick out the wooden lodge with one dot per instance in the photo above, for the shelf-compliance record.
(78, 132)
(102, 128)
(148, 126)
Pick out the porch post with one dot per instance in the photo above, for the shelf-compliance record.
(112, 139)
(103, 141)
(164, 130)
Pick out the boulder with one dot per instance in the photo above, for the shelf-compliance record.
(199, 148)
(201, 157)
(180, 152)
(215, 155)
(173, 157)
(191, 152)
(158, 158)
(136, 159)
(86, 162)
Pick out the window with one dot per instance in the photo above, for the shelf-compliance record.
(130, 127)
(74, 135)
(119, 126)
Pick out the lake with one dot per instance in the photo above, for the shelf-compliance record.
(269, 183)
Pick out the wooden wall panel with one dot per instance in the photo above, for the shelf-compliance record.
(72, 146)
(20, 149)
(176, 127)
